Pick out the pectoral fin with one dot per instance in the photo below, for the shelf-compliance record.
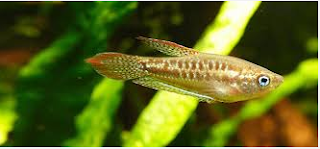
(168, 47)
(159, 85)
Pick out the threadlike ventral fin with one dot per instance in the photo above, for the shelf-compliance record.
(167, 47)
(160, 85)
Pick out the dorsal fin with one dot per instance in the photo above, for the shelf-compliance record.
(168, 47)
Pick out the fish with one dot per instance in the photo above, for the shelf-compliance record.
(209, 77)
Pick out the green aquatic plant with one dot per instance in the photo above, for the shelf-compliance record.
(8, 116)
(173, 110)
(96, 120)
(57, 78)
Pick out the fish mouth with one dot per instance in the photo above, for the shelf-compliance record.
(279, 80)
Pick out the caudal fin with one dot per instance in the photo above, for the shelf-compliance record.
(117, 65)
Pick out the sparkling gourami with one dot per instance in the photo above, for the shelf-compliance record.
(209, 77)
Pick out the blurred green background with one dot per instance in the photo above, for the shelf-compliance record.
(50, 97)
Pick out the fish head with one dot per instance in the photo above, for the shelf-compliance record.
(254, 83)
(262, 81)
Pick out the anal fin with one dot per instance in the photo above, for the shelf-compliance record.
(159, 85)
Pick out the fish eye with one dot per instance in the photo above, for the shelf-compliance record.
(263, 81)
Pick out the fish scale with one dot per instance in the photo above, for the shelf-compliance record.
(196, 69)
(209, 77)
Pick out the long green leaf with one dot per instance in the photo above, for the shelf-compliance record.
(96, 120)
(167, 113)
(56, 85)
(8, 117)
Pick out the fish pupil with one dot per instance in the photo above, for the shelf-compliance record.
(263, 81)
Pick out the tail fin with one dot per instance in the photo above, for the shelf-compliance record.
(117, 65)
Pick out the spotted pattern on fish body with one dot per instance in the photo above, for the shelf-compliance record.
(209, 77)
